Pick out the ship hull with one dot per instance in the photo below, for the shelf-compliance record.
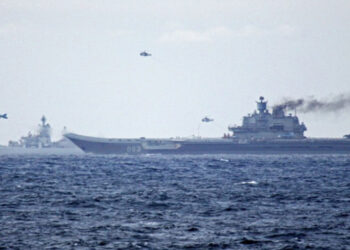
(39, 151)
(208, 146)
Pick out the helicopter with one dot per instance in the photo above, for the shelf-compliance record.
(207, 119)
(3, 116)
(144, 53)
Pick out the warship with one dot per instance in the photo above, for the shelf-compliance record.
(261, 132)
(40, 139)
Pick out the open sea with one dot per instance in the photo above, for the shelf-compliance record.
(175, 202)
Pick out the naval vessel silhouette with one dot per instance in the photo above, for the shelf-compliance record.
(261, 133)
(40, 142)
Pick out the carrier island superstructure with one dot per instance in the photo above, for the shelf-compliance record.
(264, 125)
(260, 133)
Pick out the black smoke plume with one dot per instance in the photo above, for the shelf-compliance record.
(311, 104)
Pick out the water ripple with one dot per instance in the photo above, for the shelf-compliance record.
(156, 202)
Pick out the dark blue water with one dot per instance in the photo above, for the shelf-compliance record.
(154, 202)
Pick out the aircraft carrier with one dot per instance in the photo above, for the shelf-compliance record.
(262, 132)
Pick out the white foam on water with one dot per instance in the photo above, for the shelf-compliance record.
(248, 182)
(224, 160)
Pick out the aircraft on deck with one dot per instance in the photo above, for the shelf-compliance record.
(144, 53)
(207, 119)
(4, 116)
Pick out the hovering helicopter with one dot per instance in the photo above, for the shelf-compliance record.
(207, 119)
(144, 53)
(4, 116)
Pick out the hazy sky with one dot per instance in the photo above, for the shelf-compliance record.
(78, 63)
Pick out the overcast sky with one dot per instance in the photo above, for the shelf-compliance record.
(78, 63)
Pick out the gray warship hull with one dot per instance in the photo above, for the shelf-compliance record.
(39, 151)
(209, 146)
(260, 133)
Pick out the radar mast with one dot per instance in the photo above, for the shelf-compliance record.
(261, 106)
